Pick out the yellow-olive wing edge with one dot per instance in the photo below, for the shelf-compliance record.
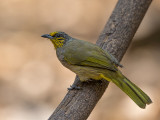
(83, 53)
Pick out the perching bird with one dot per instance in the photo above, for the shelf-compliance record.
(89, 61)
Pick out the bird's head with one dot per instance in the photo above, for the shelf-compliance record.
(57, 38)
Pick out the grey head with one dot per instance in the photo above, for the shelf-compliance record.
(58, 38)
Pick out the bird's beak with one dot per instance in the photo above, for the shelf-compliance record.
(47, 36)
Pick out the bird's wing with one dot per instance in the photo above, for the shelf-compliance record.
(87, 54)
(113, 59)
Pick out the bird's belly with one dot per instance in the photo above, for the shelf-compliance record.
(86, 73)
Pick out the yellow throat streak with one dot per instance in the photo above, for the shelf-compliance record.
(57, 42)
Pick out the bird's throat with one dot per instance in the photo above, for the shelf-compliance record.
(57, 43)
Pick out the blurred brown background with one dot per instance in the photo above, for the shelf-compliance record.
(32, 80)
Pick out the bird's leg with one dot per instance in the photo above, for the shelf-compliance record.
(74, 86)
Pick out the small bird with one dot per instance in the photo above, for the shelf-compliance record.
(89, 61)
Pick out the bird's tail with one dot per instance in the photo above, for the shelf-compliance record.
(134, 92)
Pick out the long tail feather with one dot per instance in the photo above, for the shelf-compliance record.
(134, 92)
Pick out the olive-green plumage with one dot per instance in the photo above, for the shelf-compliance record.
(89, 61)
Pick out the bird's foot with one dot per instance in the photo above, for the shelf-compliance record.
(74, 87)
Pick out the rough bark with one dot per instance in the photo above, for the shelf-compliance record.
(116, 37)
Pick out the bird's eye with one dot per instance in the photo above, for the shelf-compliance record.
(58, 35)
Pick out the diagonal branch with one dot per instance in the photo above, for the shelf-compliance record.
(116, 37)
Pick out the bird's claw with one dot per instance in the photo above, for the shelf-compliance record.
(74, 87)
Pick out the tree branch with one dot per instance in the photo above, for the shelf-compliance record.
(116, 37)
